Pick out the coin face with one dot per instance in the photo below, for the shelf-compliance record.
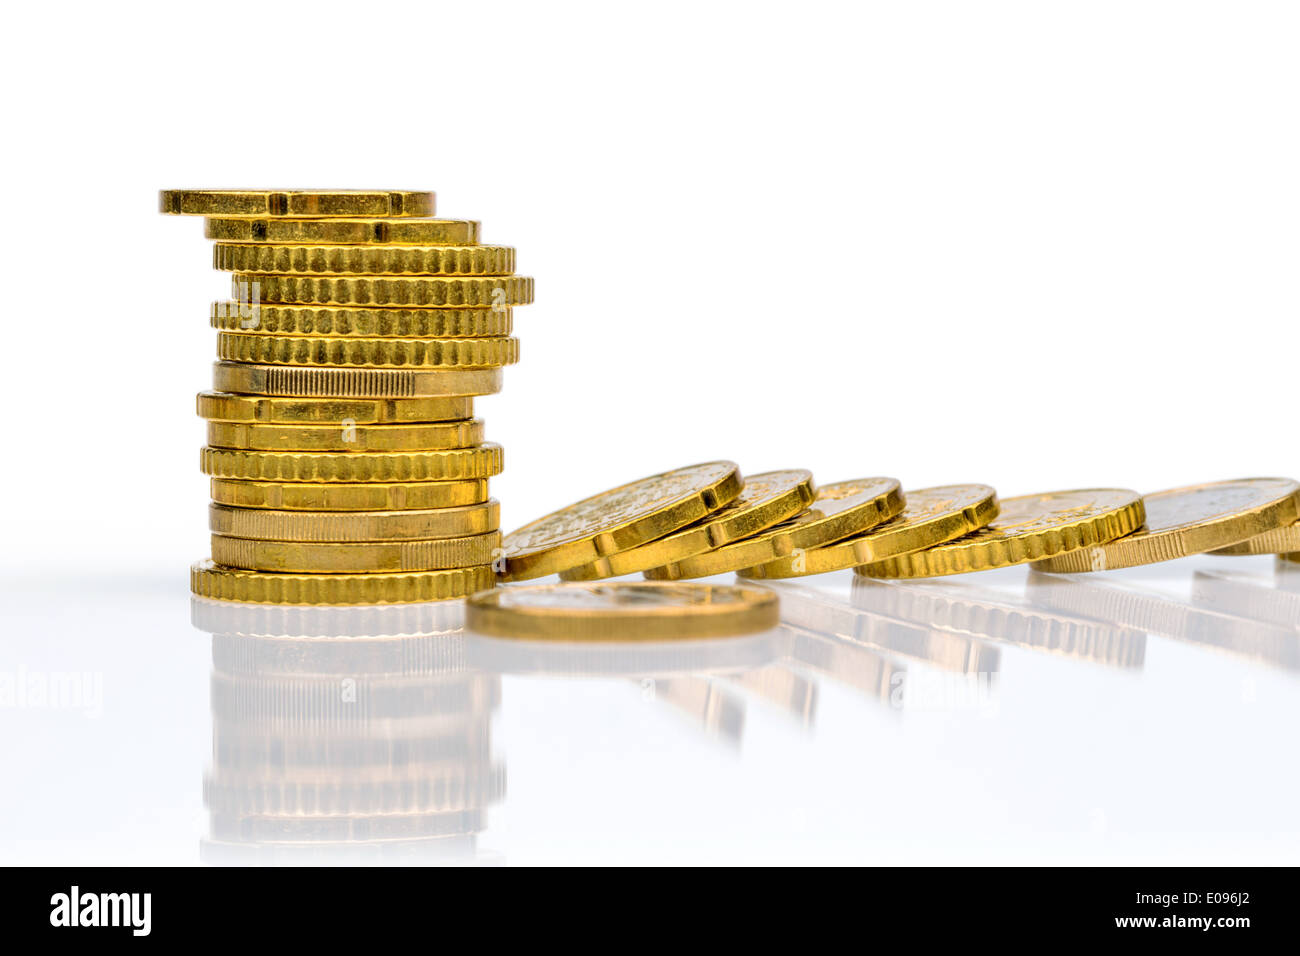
(767, 499)
(620, 519)
(621, 610)
(1183, 521)
(1028, 527)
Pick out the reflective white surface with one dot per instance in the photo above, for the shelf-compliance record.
(1142, 716)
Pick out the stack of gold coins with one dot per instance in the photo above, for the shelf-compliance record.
(346, 464)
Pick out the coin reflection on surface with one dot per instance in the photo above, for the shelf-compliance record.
(348, 734)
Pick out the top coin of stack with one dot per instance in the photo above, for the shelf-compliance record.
(345, 462)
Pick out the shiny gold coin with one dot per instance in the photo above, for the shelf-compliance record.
(314, 203)
(366, 353)
(621, 610)
(931, 516)
(227, 407)
(619, 519)
(343, 496)
(436, 555)
(231, 584)
(767, 499)
(298, 382)
(1027, 528)
(839, 510)
(449, 465)
(364, 260)
(267, 525)
(424, 437)
(425, 291)
(1279, 541)
(1191, 520)
(343, 232)
(332, 320)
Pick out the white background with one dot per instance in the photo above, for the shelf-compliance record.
(1037, 245)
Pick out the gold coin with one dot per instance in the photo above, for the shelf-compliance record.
(619, 519)
(297, 382)
(233, 316)
(342, 232)
(1183, 521)
(1027, 528)
(313, 203)
(226, 407)
(343, 496)
(839, 510)
(436, 555)
(268, 525)
(931, 516)
(621, 610)
(231, 584)
(448, 465)
(349, 437)
(1278, 541)
(426, 291)
(364, 260)
(766, 499)
(259, 349)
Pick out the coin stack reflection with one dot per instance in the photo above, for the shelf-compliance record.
(347, 740)
(345, 462)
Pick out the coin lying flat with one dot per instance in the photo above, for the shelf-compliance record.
(621, 610)
(620, 519)
(349, 496)
(838, 511)
(931, 516)
(349, 437)
(228, 407)
(450, 465)
(767, 499)
(305, 350)
(270, 525)
(299, 382)
(1183, 521)
(231, 584)
(1279, 541)
(342, 232)
(334, 320)
(251, 554)
(322, 203)
(1027, 528)
(364, 260)
(438, 292)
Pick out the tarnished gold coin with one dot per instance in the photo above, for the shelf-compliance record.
(364, 260)
(1279, 541)
(396, 232)
(439, 292)
(313, 203)
(366, 353)
(619, 519)
(449, 465)
(1183, 521)
(228, 407)
(298, 382)
(767, 499)
(346, 496)
(232, 584)
(333, 320)
(348, 437)
(1027, 528)
(931, 516)
(839, 510)
(268, 525)
(621, 610)
(433, 555)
